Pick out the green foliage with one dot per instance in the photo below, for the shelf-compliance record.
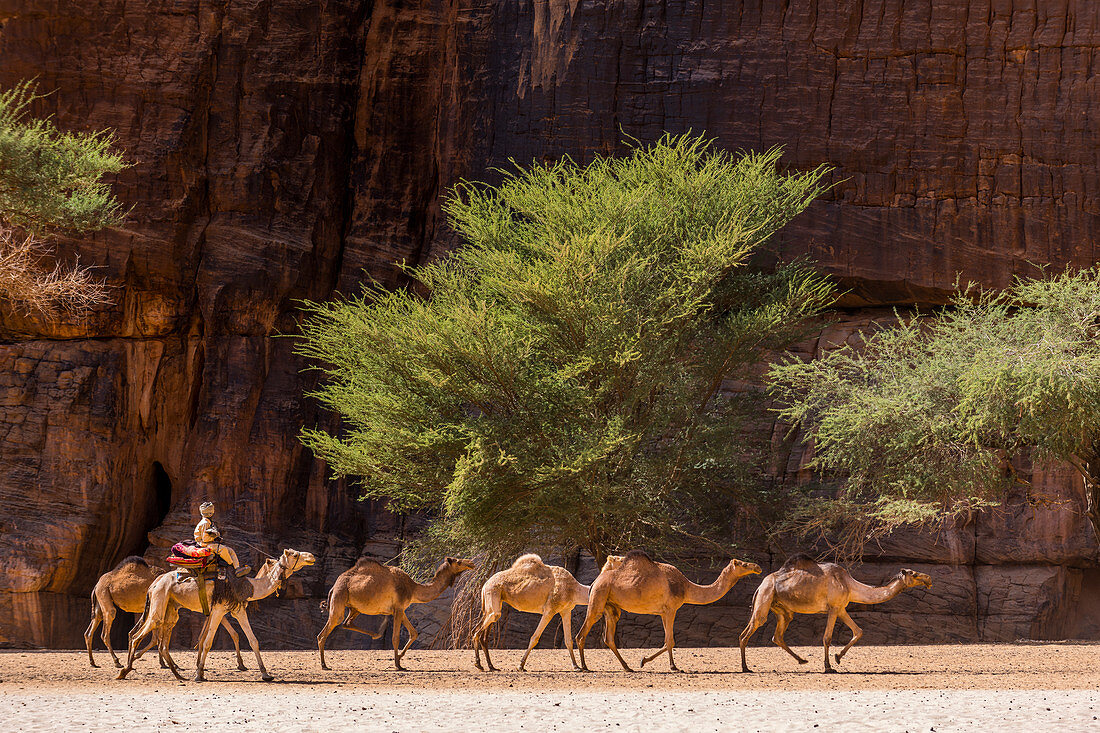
(51, 179)
(560, 386)
(923, 419)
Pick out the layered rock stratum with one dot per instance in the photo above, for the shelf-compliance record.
(290, 149)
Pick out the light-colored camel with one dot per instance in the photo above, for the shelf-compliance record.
(124, 588)
(373, 589)
(804, 585)
(532, 586)
(170, 592)
(163, 637)
(640, 585)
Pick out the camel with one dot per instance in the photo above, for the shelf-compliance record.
(171, 591)
(373, 589)
(532, 586)
(804, 585)
(640, 585)
(124, 588)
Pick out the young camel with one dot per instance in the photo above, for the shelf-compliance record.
(124, 588)
(532, 586)
(804, 585)
(639, 585)
(169, 592)
(373, 589)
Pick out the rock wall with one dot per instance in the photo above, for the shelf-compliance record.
(287, 149)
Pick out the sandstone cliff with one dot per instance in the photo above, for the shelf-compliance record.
(287, 149)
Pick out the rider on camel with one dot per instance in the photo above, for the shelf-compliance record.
(208, 536)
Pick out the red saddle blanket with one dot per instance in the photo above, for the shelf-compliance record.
(187, 550)
(191, 563)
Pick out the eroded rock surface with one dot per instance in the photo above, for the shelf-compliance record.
(287, 150)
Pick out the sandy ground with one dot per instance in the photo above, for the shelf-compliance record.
(916, 688)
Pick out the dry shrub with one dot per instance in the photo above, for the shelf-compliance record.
(32, 284)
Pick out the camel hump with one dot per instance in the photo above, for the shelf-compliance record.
(132, 560)
(637, 555)
(366, 563)
(527, 559)
(801, 561)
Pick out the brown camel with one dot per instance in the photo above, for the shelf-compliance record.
(532, 586)
(373, 589)
(639, 585)
(804, 585)
(172, 591)
(124, 588)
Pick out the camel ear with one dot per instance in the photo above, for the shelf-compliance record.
(451, 561)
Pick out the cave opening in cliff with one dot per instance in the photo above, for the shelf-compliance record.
(162, 495)
(158, 502)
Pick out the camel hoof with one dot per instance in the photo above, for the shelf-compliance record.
(830, 670)
(325, 667)
(837, 659)
(199, 678)
(674, 669)
(122, 674)
(745, 669)
(97, 666)
(267, 678)
(479, 667)
(242, 668)
(118, 665)
(802, 661)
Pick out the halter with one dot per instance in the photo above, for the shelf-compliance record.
(284, 571)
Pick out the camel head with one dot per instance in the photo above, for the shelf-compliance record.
(741, 568)
(456, 565)
(292, 561)
(911, 578)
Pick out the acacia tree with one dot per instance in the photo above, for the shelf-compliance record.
(559, 386)
(925, 418)
(50, 182)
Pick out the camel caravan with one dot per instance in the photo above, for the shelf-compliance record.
(208, 578)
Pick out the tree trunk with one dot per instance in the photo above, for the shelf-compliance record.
(1091, 475)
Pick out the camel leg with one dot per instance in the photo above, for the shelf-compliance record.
(396, 642)
(89, 634)
(596, 604)
(105, 633)
(413, 634)
(236, 643)
(333, 621)
(164, 636)
(669, 620)
(611, 620)
(567, 629)
(535, 638)
(347, 624)
(241, 614)
(782, 620)
(828, 637)
(857, 633)
(761, 605)
(488, 618)
(148, 625)
(207, 640)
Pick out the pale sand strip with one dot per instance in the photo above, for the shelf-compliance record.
(281, 709)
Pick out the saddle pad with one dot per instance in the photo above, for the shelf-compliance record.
(191, 550)
(187, 562)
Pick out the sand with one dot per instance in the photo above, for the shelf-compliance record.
(917, 688)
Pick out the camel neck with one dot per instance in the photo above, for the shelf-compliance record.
(870, 594)
(443, 580)
(699, 595)
(267, 583)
